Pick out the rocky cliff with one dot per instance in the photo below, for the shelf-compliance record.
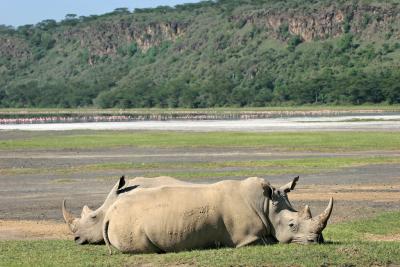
(14, 47)
(327, 21)
(104, 38)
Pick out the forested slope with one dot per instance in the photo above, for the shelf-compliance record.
(214, 53)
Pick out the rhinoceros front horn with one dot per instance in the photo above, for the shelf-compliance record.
(69, 218)
(319, 222)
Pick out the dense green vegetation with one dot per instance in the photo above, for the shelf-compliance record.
(211, 54)
(315, 141)
(348, 246)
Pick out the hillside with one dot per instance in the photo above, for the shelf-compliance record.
(214, 53)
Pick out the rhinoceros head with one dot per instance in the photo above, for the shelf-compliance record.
(88, 228)
(291, 226)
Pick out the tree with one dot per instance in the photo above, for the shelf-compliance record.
(47, 24)
(6, 29)
(70, 16)
(293, 42)
(70, 20)
(121, 10)
(345, 42)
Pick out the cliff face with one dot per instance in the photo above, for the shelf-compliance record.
(321, 25)
(104, 38)
(370, 20)
(14, 47)
(328, 22)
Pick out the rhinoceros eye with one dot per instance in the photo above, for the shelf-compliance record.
(293, 227)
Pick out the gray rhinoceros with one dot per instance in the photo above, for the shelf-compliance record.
(88, 228)
(227, 213)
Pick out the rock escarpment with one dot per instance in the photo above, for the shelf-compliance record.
(326, 22)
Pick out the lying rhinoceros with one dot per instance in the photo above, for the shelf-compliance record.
(88, 228)
(227, 213)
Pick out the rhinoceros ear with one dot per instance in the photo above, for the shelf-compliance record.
(290, 186)
(267, 189)
(85, 211)
(121, 189)
(121, 182)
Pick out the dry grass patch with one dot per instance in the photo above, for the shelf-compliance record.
(33, 230)
(351, 192)
(386, 238)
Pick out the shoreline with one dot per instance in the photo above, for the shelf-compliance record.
(281, 124)
(76, 116)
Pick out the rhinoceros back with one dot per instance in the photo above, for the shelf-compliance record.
(180, 218)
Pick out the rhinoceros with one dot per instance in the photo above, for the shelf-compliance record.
(88, 228)
(227, 213)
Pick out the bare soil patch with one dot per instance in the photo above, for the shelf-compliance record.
(33, 230)
(387, 238)
(368, 192)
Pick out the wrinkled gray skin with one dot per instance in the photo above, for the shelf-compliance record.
(88, 228)
(228, 213)
(291, 226)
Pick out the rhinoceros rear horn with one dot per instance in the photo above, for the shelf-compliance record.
(306, 213)
(69, 218)
(319, 222)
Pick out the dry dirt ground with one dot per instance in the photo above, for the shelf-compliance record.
(30, 204)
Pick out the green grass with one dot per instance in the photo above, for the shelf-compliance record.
(192, 170)
(320, 163)
(383, 224)
(316, 141)
(347, 246)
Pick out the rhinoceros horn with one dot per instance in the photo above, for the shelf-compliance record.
(306, 213)
(69, 218)
(319, 222)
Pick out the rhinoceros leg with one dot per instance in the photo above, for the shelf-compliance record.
(321, 239)
(250, 240)
(106, 238)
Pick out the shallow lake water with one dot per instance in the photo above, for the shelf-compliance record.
(337, 123)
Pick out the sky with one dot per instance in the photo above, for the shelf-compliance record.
(21, 12)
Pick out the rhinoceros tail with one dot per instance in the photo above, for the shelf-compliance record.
(105, 235)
